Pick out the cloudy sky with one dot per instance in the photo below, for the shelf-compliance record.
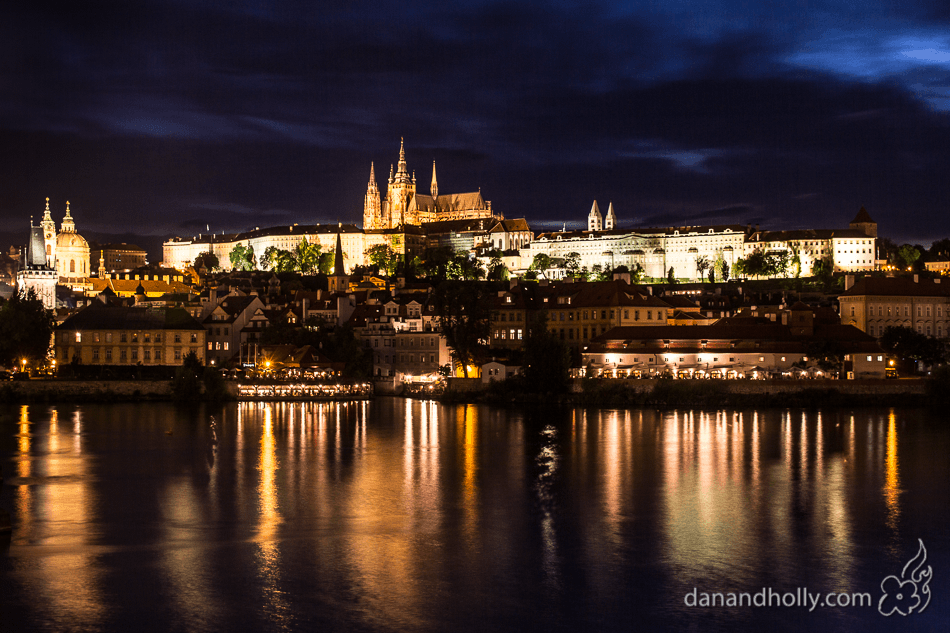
(169, 116)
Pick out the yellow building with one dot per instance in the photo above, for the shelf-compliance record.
(874, 303)
(127, 336)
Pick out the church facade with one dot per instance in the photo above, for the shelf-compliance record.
(405, 206)
(66, 250)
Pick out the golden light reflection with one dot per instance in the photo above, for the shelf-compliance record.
(63, 517)
(707, 507)
(892, 475)
(275, 600)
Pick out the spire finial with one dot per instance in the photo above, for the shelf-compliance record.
(434, 188)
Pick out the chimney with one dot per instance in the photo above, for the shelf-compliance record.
(849, 282)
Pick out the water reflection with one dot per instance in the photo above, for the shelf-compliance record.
(411, 515)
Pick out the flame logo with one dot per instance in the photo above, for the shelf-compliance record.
(911, 591)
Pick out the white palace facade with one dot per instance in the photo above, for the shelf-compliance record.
(659, 249)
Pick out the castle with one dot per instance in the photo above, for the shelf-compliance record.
(404, 206)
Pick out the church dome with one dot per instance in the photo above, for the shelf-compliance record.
(71, 240)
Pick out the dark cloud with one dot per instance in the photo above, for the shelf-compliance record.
(166, 117)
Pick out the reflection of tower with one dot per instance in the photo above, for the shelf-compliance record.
(402, 188)
(372, 214)
(49, 236)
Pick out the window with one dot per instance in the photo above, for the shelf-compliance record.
(122, 338)
(194, 337)
(178, 340)
(135, 337)
(626, 314)
(135, 354)
(108, 354)
(649, 315)
(95, 337)
(108, 337)
(158, 339)
(122, 356)
(880, 358)
(636, 315)
(178, 354)
(79, 337)
(147, 355)
(158, 355)
(95, 353)
(870, 358)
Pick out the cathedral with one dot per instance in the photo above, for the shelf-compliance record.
(67, 251)
(403, 206)
(53, 257)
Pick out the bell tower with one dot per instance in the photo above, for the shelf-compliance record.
(49, 236)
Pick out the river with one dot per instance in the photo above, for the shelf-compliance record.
(406, 515)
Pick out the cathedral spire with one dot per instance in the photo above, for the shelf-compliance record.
(372, 179)
(434, 189)
(402, 170)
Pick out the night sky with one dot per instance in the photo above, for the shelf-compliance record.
(166, 117)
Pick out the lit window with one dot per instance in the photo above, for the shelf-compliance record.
(79, 337)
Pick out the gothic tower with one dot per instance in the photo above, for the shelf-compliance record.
(337, 281)
(49, 236)
(402, 189)
(434, 187)
(372, 213)
(595, 221)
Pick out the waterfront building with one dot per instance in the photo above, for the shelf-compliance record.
(873, 304)
(575, 312)
(734, 348)
(116, 335)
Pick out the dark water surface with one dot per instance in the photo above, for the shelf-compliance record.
(398, 515)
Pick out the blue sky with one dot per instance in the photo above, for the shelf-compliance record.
(164, 117)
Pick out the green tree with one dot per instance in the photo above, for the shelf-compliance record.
(546, 362)
(540, 263)
(671, 276)
(702, 265)
(908, 344)
(463, 310)
(207, 260)
(573, 264)
(186, 386)
(268, 260)
(307, 256)
(383, 258)
(26, 329)
(242, 257)
(285, 261)
(497, 271)
(907, 255)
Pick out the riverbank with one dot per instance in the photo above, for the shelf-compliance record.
(581, 392)
(704, 393)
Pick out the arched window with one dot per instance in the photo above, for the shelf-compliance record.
(72, 265)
